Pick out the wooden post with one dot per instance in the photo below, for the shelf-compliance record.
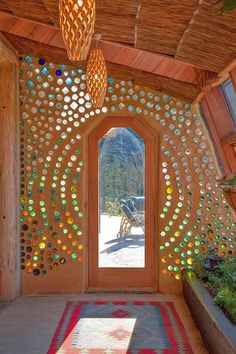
(9, 167)
(232, 75)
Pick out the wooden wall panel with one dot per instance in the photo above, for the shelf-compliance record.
(9, 174)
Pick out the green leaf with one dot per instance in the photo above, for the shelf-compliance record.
(229, 5)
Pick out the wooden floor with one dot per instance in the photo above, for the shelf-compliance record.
(27, 325)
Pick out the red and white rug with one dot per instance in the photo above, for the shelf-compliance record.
(113, 327)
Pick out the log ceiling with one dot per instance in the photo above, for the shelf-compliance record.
(182, 45)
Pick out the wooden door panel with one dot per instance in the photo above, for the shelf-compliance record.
(122, 278)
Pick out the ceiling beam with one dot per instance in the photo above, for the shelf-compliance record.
(182, 90)
(113, 52)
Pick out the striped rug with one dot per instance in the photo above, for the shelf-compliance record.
(118, 327)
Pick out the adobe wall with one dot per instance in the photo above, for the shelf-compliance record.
(56, 118)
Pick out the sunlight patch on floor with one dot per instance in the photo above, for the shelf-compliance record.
(100, 333)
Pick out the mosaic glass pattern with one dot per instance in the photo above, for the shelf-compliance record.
(54, 106)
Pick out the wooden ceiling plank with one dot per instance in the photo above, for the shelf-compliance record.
(184, 30)
(116, 20)
(53, 8)
(7, 16)
(161, 24)
(162, 65)
(30, 9)
(119, 6)
(189, 73)
(23, 29)
(57, 40)
(204, 58)
(47, 36)
(172, 70)
(117, 54)
(28, 29)
(210, 39)
(146, 62)
(200, 33)
(3, 5)
(106, 25)
(6, 22)
(114, 52)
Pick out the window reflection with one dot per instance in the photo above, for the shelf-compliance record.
(230, 96)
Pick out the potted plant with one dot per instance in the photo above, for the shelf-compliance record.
(227, 5)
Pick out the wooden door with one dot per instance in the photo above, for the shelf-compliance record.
(122, 278)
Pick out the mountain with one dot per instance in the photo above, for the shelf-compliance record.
(121, 165)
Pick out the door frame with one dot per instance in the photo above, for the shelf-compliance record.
(151, 137)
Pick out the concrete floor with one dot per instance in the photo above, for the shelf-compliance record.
(27, 325)
(3, 305)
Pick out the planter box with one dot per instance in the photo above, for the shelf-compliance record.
(218, 332)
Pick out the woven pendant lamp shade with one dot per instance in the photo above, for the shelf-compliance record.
(96, 78)
(77, 19)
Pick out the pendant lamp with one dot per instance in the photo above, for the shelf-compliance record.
(77, 19)
(96, 78)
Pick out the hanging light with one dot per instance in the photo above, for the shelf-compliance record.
(77, 19)
(96, 78)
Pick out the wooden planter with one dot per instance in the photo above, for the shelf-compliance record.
(218, 332)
